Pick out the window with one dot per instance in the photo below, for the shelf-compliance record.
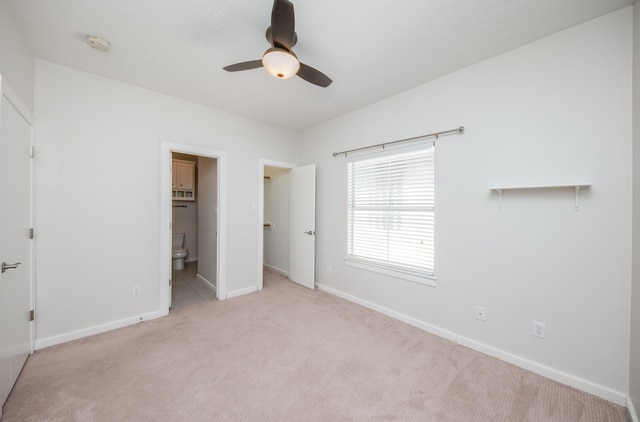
(391, 207)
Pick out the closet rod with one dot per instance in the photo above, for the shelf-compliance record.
(430, 135)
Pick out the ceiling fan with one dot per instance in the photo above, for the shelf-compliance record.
(279, 60)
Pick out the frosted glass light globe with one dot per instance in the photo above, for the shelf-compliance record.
(280, 63)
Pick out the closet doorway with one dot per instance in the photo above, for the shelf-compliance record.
(203, 220)
(276, 220)
(286, 240)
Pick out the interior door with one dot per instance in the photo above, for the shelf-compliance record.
(302, 225)
(15, 243)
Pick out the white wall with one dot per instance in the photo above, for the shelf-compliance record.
(98, 209)
(634, 368)
(555, 111)
(16, 62)
(207, 218)
(276, 211)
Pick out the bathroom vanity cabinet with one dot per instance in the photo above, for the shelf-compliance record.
(183, 183)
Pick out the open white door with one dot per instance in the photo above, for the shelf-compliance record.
(15, 243)
(302, 225)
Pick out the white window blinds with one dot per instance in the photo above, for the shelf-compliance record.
(391, 206)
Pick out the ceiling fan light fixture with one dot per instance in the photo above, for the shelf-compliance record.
(280, 63)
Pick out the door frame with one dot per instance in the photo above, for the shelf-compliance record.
(262, 162)
(7, 91)
(166, 202)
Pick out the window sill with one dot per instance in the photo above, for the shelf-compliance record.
(423, 280)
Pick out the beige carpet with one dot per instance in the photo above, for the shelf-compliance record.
(285, 354)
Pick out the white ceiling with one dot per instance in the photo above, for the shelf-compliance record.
(372, 49)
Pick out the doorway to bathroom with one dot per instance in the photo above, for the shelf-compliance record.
(194, 226)
(193, 197)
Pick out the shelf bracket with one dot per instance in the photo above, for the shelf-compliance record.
(499, 198)
(577, 190)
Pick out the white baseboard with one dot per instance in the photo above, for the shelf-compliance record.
(240, 292)
(96, 329)
(207, 282)
(276, 269)
(632, 411)
(551, 373)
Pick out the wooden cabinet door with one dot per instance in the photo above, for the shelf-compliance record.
(184, 176)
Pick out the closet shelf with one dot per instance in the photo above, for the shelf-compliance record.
(576, 188)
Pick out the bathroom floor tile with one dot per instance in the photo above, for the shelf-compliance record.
(187, 289)
(201, 288)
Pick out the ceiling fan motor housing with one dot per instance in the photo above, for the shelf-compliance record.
(270, 39)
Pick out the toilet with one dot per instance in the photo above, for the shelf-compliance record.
(178, 252)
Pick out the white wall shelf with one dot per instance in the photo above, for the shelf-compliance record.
(575, 186)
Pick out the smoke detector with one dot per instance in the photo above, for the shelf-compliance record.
(98, 43)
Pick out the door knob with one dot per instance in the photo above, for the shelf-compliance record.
(6, 266)
(310, 232)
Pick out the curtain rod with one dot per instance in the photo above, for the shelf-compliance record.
(430, 135)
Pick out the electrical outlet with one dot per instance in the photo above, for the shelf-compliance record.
(329, 269)
(480, 313)
(538, 329)
(135, 291)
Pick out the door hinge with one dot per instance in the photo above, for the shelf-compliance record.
(32, 153)
(31, 233)
(32, 315)
(169, 282)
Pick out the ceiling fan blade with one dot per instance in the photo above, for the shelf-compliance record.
(253, 64)
(283, 24)
(313, 76)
